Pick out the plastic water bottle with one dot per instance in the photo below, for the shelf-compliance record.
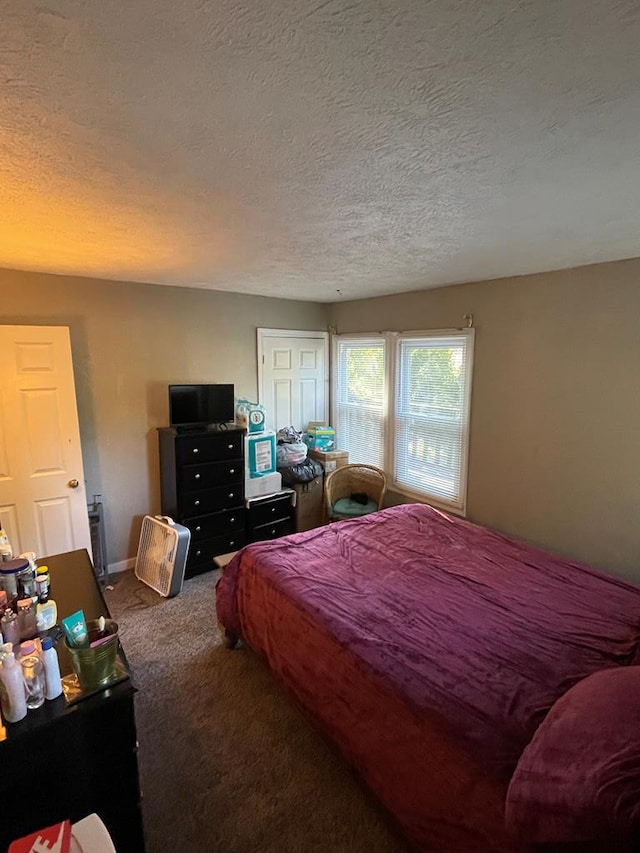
(52, 680)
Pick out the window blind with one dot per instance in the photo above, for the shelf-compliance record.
(360, 398)
(431, 415)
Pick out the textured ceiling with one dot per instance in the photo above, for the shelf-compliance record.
(318, 149)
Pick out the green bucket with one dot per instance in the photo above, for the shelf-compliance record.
(96, 667)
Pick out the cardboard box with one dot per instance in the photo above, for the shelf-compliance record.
(330, 459)
(309, 507)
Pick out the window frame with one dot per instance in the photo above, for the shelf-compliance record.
(363, 336)
(391, 382)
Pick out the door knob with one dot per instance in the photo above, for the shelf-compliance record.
(73, 484)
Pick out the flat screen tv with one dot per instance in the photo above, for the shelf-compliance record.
(201, 405)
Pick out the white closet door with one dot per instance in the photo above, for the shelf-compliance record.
(293, 372)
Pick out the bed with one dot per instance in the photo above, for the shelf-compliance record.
(432, 651)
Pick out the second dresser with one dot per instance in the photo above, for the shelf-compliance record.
(202, 487)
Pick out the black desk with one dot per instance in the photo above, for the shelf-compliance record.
(67, 761)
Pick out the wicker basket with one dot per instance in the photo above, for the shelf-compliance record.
(351, 479)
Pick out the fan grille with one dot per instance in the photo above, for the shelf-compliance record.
(156, 555)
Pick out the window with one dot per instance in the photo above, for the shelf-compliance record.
(423, 380)
(359, 391)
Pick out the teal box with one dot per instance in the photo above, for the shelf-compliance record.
(260, 454)
(320, 438)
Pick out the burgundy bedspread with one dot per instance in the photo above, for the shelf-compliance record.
(430, 649)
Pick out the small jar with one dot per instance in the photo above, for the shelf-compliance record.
(31, 557)
(43, 581)
(9, 572)
(27, 584)
(33, 674)
(27, 619)
(10, 627)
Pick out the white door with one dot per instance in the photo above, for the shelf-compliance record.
(43, 504)
(293, 377)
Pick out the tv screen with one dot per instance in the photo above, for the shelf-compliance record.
(199, 405)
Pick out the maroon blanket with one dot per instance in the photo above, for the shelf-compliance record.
(430, 649)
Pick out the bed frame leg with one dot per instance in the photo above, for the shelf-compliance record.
(231, 640)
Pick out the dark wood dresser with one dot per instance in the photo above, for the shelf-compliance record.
(270, 517)
(202, 487)
(65, 761)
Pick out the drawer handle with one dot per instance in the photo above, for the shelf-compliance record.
(273, 531)
(273, 509)
(198, 553)
(196, 503)
(198, 529)
(232, 542)
(231, 520)
(197, 476)
(195, 450)
(230, 494)
(230, 446)
(232, 470)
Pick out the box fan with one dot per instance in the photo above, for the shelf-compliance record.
(162, 554)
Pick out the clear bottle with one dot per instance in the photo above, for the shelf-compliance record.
(33, 674)
(27, 620)
(52, 680)
(12, 690)
(10, 626)
(6, 551)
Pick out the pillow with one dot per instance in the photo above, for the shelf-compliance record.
(579, 778)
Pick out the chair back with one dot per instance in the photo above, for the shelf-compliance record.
(354, 478)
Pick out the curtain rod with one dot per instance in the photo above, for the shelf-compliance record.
(333, 330)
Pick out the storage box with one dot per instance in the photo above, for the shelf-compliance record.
(309, 507)
(260, 454)
(320, 438)
(330, 459)
(258, 486)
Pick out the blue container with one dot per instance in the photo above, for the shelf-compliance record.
(260, 454)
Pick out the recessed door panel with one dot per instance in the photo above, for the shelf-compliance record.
(55, 526)
(42, 427)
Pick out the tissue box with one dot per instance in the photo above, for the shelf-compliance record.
(260, 454)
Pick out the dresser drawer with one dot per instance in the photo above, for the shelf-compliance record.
(206, 550)
(193, 478)
(272, 531)
(210, 500)
(271, 509)
(209, 447)
(216, 524)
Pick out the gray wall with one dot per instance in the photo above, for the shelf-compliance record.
(555, 415)
(129, 342)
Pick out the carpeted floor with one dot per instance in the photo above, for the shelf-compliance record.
(228, 764)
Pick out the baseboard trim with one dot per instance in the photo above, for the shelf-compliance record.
(122, 566)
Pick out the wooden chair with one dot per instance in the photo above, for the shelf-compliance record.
(351, 480)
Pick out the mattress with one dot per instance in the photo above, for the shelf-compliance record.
(429, 649)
